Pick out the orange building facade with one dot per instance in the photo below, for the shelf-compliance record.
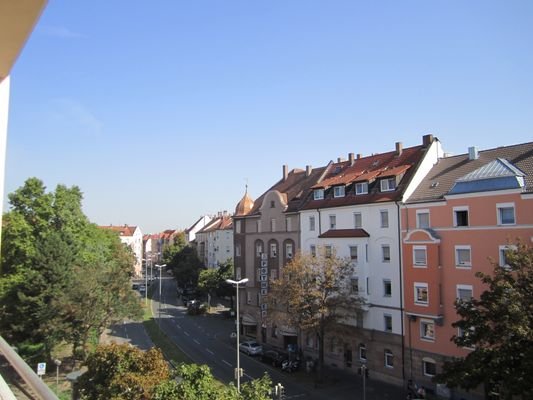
(463, 216)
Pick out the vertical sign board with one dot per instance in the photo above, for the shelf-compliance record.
(41, 369)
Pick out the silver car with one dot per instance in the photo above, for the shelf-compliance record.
(251, 347)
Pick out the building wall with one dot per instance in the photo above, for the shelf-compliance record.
(4, 111)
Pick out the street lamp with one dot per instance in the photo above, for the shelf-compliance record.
(57, 363)
(238, 369)
(160, 276)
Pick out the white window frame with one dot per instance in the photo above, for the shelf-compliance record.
(312, 250)
(362, 352)
(421, 285)
(387, 317)
(357, 216)
(328, 251)
(339, 191)
(361, 188)
(502, 206)
(425, 362)
(463, 264)
(383, 258)
(385, 184)
(419, 263)
(420, 213)
(352, 258)
(273, 250)
(502, 260)
(355, 285)
(384, 218)
(464, 287)
(289, 251)
(332, 221)
(312, 222)
(237, 250)
(424, 324)
(318, 194)
(387, 283)
(461, 209)
(389, 358)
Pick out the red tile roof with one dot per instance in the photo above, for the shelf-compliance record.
(124, 230)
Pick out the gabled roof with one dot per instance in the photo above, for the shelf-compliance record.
(217, 224)
(493, 169)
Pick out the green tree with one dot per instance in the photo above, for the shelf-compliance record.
(213, 281)
(116, 372)
(178, 244)
(498, 327)
(186, 267)
(315, 294)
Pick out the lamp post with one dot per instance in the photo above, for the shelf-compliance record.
(160, 276)
(238, 369)
(57, 363)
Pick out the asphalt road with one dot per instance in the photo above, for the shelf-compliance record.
(206, 340)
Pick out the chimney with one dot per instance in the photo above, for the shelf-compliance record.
(308, 170)
(427, 140)
(473, 153)
(285, 172)
(340, 159)
(351, 158)
(359, 155)
(399, 148)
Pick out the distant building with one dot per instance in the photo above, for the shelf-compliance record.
(131, 236)
(215, 241)
(200, 223)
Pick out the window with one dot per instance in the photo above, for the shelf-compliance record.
(462, 256)
(288, 224)
(311, 223)
(385, 251)
(384, 218)
(272, 204)
(503, 250)
(388, 184)
(238, 226)
(362, 352)
(420, 255)
(318, 194)
(427, 329)
(367, 285)
(312, 249)
(353, 253)
(249, 297)
(361, 188)
(332, 221)
(464, 292)
(238, 273)
(238, 250)
(355, 285)
(329, 251)
(387, 288)
(258, 225)
(389, 359)
(272, 225)
(288, 250)
(258, 249)
(506, 214)
(338, 191)
(421, 293)
(422, 219)
(460, 216)
(357, 220)
(273, 250)
(273, 274)
(387, 321)
(429, 367)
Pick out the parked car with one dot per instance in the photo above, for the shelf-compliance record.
(251, 347)
(142, 288)
(273, 358)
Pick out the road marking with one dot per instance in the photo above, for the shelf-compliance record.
(186, 333)
(227, 363)
(248, 376)
(210, 352)
(178, 325)
(196, 341)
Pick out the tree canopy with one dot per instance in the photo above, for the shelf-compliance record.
(62, 278)
(315, 294)
(498, 328)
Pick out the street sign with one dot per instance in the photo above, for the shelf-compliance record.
(41, 369)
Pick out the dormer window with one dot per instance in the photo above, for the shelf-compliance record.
(318, 194)
(361, 188)
(388, 184)
(338, 191)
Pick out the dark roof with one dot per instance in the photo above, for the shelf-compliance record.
(296, 188)
(444, 175)
(345, 233)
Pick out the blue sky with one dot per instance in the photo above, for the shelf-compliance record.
(161, 111)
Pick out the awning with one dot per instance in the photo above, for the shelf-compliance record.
(287, 331)
(249, 320)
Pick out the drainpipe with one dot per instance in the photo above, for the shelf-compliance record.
(401, 290)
